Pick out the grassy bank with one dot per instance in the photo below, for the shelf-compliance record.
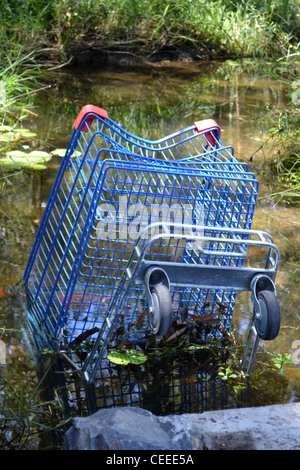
(38, 35)
(204, 28)
(207, 28)
(284, 125)
(50, 34)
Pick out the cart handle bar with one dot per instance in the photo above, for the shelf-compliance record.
(87, 109)
(204, 126)
(207, 125)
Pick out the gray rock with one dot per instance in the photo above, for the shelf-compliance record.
(275, 427)
(131, 429)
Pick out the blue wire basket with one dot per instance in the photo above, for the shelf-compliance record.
(134, 226)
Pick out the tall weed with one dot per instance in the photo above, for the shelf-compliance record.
(18, 79)
(285, 127)
(225, 27)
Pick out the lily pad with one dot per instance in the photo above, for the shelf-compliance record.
(59, 152)
(196, 347)
(16, 154)
(37, 166)
(6, 137)
(19, 159)
(124, 357)
(10, 136)
(9, 163)
(13, 165)
(39, 155)
(25, 132)
(17, 130)
(62, 153)
(77, 154)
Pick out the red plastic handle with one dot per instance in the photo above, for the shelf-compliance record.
(208, 125)
(87, 109)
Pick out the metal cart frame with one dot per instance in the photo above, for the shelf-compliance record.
(84, 253)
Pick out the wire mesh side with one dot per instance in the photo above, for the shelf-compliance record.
(95, 216)
(96, 132)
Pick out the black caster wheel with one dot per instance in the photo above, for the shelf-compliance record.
(161, 315)
(267, 322)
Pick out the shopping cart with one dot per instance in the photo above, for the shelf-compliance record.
(138, 234)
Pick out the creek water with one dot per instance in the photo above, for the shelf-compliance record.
(153, 103)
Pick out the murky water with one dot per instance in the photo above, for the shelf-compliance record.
(154, 104)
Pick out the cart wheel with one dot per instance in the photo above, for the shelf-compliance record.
(267, 324)
(161, 316)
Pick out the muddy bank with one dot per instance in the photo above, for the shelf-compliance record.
(125, 54)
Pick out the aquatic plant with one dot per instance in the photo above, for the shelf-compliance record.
(281, 360)
(18, 83)
(19, 80)
(25, 416)
(284, 129)
(125, 356)
(11, 158)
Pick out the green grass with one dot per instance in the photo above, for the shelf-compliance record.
(222, 27)
(19, 78)
(257, 27)
(30, 31)
(284, 126)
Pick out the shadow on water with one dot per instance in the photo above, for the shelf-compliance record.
(154, 104)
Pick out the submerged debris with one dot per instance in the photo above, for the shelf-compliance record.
(83, 336)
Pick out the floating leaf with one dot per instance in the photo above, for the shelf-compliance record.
(8, 130)
(137, 357)
(22, 130)
(9, 163)
(6, 137)
(9, 137)
(37, 166)
(59, 152)
(25, 133)
(196, 347)
(124, 357)
(118, 357)
(62, 153)
(16, 154)
(39, 155)
(18, 159)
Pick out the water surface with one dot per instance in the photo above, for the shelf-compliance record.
(152, 104)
